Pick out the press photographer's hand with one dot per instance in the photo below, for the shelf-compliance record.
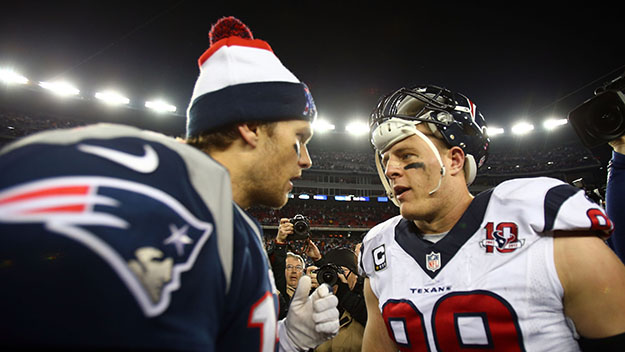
(618, 144)
(342, 279)
(312, 272)
(284, 230)
(312, 251)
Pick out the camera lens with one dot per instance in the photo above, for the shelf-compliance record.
(609, 121)
(327, 274)
(300, 226)
(600, 119)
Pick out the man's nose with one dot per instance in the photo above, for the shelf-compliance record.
(305, 161)
(393, 169)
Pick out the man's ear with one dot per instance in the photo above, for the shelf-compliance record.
(457, 160)
(249, 133)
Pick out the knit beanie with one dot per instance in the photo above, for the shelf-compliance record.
(242, 80)
(342, 257)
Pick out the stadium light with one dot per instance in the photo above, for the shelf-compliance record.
(60, 88)
(112, 98)
(322, 125)
(552, 123)
(522, 128)
(9, 76)
(357, 128)
(494, 131)
(160, 106)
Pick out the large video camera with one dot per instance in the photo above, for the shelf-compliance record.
(301, 227)
(601, 118)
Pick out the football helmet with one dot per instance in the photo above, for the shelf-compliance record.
(450, 116)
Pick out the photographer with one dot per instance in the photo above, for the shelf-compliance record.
(615, 202)
(277, 253)
(280, 254)
(293, 272)
(339, 267)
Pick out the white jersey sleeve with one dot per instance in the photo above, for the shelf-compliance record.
(548, 205)
(372, 255)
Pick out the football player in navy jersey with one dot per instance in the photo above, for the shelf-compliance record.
(614, 198)
(117, 238)
(519, 267)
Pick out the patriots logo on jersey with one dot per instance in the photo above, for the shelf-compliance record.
(147, 237)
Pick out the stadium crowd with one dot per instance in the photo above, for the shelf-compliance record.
(330, 213)
(15, 124)
(530, 159)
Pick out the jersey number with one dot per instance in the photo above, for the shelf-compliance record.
(263, 317)
(461, 321)
(599, 221)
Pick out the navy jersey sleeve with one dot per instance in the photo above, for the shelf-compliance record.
(112, 238)
(615, 203)
(252, 303)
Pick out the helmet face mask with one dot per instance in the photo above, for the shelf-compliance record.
(450, 116)
(453, 115)
(411, 104)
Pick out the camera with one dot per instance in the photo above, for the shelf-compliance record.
(328, 273)
(301, 227)
(601, 118)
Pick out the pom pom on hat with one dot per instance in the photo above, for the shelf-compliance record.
(229, 27)
(242, 80)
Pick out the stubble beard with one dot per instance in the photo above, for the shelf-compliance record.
(267, 191)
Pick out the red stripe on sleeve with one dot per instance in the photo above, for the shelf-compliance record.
(77, 208)
(48, 192)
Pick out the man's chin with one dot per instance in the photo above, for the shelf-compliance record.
(279, 202)
(273, 201)
(407, 212)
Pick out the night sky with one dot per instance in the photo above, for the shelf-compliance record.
(514, 59)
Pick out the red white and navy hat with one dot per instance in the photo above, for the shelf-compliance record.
(242, 80)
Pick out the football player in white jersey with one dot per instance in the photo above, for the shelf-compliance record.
(521, 267)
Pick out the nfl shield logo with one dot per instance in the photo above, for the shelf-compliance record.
(433, 261)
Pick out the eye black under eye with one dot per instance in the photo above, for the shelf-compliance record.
(297, 148)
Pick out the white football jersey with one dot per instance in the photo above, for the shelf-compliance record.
(491, 282)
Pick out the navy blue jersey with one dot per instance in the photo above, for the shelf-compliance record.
(112, 237)
(615, 202)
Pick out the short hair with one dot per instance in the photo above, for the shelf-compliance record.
(296, 256)
(221, 138)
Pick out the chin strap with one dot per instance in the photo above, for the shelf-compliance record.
(438, 157)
